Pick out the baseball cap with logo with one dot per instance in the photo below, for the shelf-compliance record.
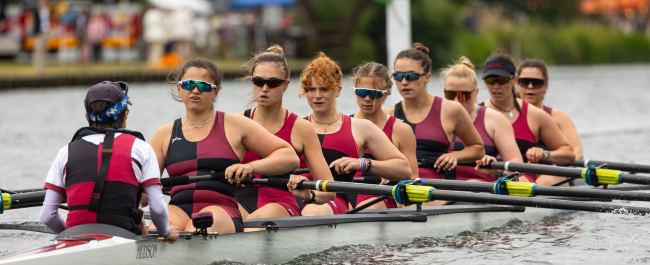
(115, 93)
(498, 68)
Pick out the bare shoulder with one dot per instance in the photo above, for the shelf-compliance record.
(239, 113)
(560, 115)
(452, 106)
(495, 117)
(402, 130)
(235, 117)
(362, 124)
(304, 128)
(164, 130)
(390, 110)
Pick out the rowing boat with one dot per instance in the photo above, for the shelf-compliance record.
(108, 244)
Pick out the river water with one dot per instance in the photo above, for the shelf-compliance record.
(608, 104)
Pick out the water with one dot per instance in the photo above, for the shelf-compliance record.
(607, 103)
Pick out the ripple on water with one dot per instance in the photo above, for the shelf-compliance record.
(12, 242)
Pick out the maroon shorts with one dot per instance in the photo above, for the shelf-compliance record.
(390, 202)
(192, 201)
(338, 205)
(252, 198)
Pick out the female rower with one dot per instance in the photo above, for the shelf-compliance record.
(204, 140)
(532, 81)
(270, 77)
(342, 138)
(434, 121)
(461, 85)
(372, 86)
(529, 124)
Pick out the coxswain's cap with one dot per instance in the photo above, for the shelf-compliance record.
(115, 93)
(498, 68)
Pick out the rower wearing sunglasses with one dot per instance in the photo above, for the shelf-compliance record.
(434, 121)
(529, 124)
(532, 83)
(372, 86)
(461, 85)
(270, 77)
(344, 139)
(204, 140)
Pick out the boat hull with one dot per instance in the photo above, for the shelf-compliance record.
(274, 246)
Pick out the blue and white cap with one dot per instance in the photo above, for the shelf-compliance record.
(112, 92)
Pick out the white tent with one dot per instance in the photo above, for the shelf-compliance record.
(198, 6)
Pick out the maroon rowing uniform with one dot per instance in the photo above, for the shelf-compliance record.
(523, 135)
(334, 146)
(432, 141)
(388, 130)
(253, 197)
(467, 172)
(213, 153)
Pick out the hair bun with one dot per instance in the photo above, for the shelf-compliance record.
(275, 49)
(464, 60)
(420, 47)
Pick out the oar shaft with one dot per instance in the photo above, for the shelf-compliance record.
(438, 194)
(537, 169)
(631, 167)
(635, 179)
(532, 202)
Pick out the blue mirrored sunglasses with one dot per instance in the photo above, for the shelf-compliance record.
(201, 85)
(373, 93)
(410, 76)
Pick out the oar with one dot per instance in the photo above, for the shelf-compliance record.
(16, 200)
(630, 167)
(591, 175)
(406, 193)
(522, 189)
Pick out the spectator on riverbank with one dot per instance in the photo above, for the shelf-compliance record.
(182, 31)
(97, 30)
(155, 34)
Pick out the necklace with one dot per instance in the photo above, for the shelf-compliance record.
(475, 111)
(328, 124)
(187, 128)
(502, 110)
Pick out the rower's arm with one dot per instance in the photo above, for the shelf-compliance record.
(549, 132)
(158, 209)
(465, 131)
(404, 139)
(278, 156)
(389, 162)
(50, 212)
(569, 130)
(316, 163)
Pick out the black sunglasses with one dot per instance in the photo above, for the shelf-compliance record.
(271, 82)
(537, 83)
(462, 95)
(410, 76)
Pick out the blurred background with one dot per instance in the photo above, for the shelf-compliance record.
(64, 39)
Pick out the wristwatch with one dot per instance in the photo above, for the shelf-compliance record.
(313, 198)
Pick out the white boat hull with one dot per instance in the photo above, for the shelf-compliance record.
(278, 246)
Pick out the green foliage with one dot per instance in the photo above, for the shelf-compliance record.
(573, 44)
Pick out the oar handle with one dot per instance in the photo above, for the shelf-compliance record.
(184, 180)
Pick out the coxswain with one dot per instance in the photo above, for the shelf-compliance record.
(433, 120)
(104, 170)
(270, 77)
(372, 85)
(530, 124)
(204, 140)
(461, 85)
(532, 84)
(344, 139)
